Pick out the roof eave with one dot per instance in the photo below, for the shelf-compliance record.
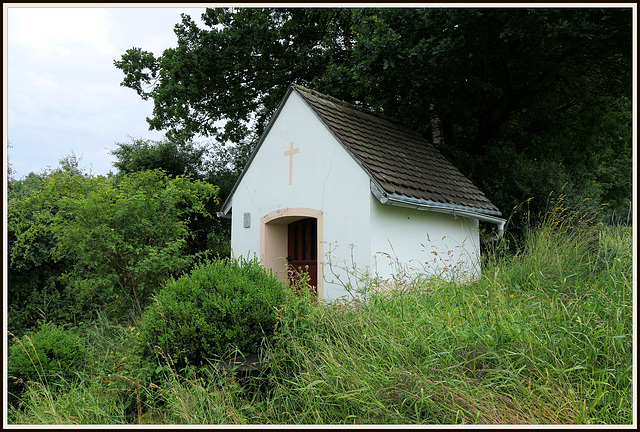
(490, 216)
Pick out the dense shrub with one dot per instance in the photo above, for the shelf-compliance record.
(221, 306)
(49, 355)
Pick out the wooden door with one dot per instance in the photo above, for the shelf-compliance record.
(303, 248)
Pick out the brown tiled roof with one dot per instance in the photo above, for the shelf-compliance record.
(406, 165)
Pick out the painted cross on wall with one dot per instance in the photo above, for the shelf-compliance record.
(290, 153)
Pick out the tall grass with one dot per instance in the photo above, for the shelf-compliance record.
(544, 337)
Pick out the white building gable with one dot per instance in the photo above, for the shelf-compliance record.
(301, 170)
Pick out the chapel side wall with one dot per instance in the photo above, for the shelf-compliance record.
(324, 178)
(406, 240)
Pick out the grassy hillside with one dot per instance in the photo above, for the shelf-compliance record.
(545, 337)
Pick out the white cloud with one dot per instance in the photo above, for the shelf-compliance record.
(54, 32)
(64, 91)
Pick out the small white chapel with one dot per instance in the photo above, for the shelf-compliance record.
(330, 188)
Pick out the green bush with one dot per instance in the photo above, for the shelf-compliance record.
(221, 306)
(49, 355)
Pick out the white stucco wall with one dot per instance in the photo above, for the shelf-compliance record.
(423, 242)
(324, 177)
(358, 231)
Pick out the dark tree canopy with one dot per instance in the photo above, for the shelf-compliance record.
(237, 71)
(529, 100)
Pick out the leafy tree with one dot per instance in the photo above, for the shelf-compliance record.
(236, 72)
(37, 288)
(174, 157)
(126, 236)
(217, 163)
(532, 89)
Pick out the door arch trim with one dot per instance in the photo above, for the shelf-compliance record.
(273, 241)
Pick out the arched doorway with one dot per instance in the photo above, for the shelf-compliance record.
(293, 236)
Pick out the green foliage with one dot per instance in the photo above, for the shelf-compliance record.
(220, 307)
(258, 53)
(544, 337)
(532, 92)
(209, 234)
(51, 355)
(542, 94)
(131, 231)
(36, 279)
(562, 245)
(119, 239)
(175, 158)
(111, 391)
(515, 347)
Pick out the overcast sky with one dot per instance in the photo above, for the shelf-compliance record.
(62, 91)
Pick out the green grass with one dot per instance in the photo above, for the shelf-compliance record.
(544, 337)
